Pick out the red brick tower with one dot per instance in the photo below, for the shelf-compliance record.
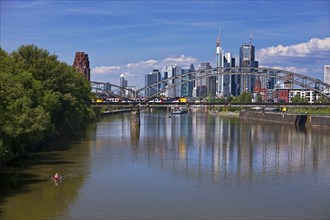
(81, 64)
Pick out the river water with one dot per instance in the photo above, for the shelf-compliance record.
(189, 166)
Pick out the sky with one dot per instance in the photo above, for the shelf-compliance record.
(135, 37)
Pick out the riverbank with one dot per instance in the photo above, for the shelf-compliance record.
(115, 111)
(296, 119)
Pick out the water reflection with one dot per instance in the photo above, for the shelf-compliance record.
(190, 165)
(26, 188)
(203, 145)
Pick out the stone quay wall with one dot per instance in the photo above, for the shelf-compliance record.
(296, 119)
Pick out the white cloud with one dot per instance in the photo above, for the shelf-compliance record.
(305, 58)
(315, 48)
(294, 69)
(104, 69)
(142, 64)
(159, 64)
(182, 60)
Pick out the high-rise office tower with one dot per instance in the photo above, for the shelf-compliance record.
(220, 90)
(203, 85)
(187, 88)
(81, 64)
(122, 83)
(327, 75)
(150, 79)
(247, 60)
(227, 79)
(177, 71)
(232, 80)
(169, 72)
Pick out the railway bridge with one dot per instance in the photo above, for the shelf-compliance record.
(286, 77)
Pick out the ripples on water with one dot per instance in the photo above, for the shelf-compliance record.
(193, 166)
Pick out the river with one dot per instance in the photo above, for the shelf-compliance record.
(188, 166)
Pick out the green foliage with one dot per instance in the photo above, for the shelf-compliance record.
(323, 99)
(298, 99)
(259, 98)
(243, 98)
(39, 97)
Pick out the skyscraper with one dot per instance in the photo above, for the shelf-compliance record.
(168, 72)
(220, 90)
(327, 75)
(246, 60)
(225, 84)
(233, 80)
(81, 64)
(204, 84)
(187, 88)
(152, 78)
(122, 83)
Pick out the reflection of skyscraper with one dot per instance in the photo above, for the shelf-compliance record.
(246, 60)
(327, 75)
(81, 64)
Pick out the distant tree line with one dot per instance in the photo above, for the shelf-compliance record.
(40, 98)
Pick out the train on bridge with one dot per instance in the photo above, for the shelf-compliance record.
(139, 100)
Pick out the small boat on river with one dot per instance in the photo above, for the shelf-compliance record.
(56, 177)
(179, 111)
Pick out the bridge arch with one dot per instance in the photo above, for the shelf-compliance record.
(101, 87)
(286, 76)
(297, 79)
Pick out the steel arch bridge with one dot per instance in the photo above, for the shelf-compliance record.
(296, 79)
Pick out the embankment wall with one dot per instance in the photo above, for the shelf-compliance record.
(296, 119)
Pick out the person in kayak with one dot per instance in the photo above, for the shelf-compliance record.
(57, 177)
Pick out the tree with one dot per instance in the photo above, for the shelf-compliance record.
(323, 99)
(259, 98)
(245, 97)
(39, 97)
(66, 93)
(298, 99)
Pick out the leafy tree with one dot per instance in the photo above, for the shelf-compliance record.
(259, 98)
(298, 99)
(39, 97)
(323, 99)
(66, 93)
(245, 97)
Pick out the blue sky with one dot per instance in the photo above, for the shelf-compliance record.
(134, 37)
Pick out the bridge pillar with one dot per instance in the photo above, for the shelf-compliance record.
(135, 116)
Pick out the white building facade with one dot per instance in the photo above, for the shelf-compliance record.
(309, 95)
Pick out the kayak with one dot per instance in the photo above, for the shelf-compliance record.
(59, 178)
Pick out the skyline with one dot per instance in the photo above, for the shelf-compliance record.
(135, 37)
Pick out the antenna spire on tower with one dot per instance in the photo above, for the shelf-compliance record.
(251, 38)
(218, 39)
